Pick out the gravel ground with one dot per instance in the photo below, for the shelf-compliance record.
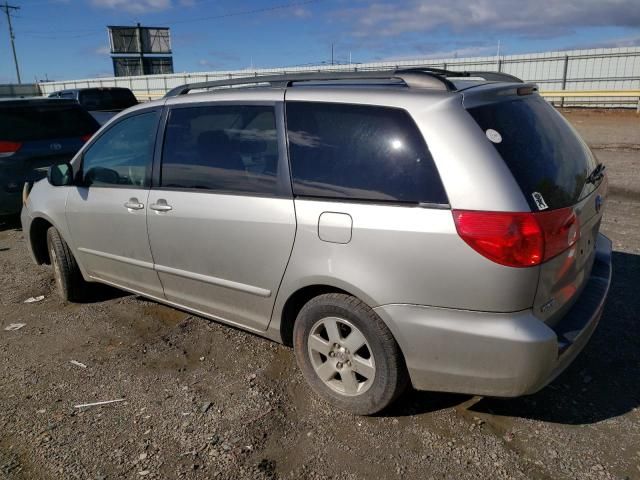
(202, 400)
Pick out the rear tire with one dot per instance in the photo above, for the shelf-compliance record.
(71, 285)
(348, 355)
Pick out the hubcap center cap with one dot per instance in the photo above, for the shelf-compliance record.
(341, 355)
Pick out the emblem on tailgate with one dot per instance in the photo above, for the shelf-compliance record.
(547, 305)
(55, 146)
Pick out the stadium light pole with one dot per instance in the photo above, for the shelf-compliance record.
(6, 7)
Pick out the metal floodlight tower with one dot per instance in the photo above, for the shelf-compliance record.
(140, 50)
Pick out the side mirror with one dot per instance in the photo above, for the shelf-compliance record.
(60, 175)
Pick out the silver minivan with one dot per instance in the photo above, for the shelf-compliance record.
(423, 227)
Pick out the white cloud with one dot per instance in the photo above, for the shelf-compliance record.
(135, 6)
(633, 41)
(301, 12)
(102, 50)
(540, 18)
(450, 53)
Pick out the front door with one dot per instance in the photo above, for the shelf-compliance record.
(222, 221)
(107, 211)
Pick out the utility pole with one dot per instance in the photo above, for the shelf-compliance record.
(139, 35)
(332, 54)
(6, 7)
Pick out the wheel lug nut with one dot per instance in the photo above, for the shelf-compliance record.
(339, 365)
(331, 354)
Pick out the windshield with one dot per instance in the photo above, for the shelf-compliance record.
(107, 99)
(42, 122)
(545, 154)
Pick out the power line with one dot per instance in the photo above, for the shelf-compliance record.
(283, 6)
(52, 36)
(6, 7)
(82, 33)
(88, 32)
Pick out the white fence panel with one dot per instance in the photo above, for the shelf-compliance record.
(594, 69)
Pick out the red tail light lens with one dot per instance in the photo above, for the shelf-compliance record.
(512, 239)
(85, 138)
(518, 239)
(9, 148)
(561, 230)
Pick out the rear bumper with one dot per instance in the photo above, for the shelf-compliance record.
(10, 202)
(496, 354)
(11, 184)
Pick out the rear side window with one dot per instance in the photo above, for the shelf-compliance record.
(546, 156)
(45, 122)
(358, 152)
(226, 148)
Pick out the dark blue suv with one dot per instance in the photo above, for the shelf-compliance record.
(34, 134)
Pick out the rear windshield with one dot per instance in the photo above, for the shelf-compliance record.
(107, 99)
(546, 156)
(43, 122)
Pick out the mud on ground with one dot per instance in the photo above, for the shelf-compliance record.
(202, 400)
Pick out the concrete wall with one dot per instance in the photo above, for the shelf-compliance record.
(22, 90)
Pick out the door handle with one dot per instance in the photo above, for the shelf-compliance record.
(161, 206)
(134, 204)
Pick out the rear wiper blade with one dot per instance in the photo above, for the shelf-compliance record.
(597, 173)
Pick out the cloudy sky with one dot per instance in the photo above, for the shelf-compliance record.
(66, 39)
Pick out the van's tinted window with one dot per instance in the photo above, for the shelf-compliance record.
(361, 153)
(44, 122)
(546, 156)
(122, 155)
(227, 148)
(107, 99)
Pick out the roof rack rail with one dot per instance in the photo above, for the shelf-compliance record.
(489, 76)
(426, 77)
(413, 79)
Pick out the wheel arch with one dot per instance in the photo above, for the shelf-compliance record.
(288, 305)
(38, 239)
(292, 307)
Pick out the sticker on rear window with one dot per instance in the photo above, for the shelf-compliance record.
(540, 203)
(493, 135)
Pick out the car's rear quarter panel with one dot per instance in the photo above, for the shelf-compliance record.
(402, 254)
(410, 254)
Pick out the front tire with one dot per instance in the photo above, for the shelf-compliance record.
(348, 355)
(71, 285)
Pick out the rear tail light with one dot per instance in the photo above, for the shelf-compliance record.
(85, 138)
(518, 239)
(561, 230)
(9, 148)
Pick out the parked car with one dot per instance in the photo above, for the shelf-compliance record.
(34, 134)
(429, 227)
(103, 103)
